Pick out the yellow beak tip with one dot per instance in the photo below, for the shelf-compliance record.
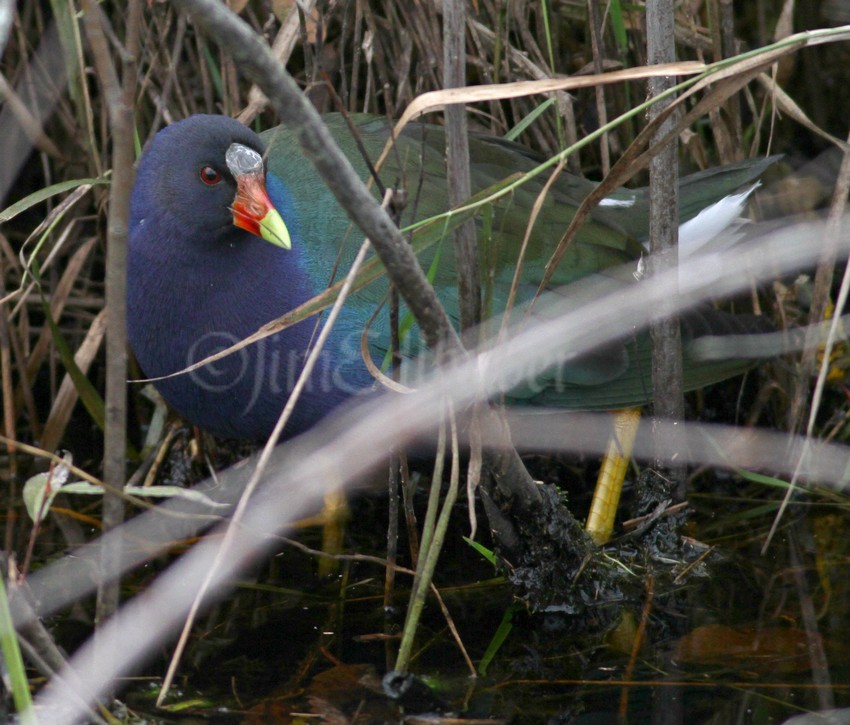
(273, 229)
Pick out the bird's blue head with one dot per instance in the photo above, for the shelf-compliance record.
(206, 173)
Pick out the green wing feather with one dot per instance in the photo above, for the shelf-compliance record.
(612, 377)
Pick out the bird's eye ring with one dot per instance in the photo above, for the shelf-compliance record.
(210, 176)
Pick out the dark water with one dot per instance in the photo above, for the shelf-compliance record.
(730, 636)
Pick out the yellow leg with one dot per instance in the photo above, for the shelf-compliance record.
(609, 485)
(335, 514)
(332, 519)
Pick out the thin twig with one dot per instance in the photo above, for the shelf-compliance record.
(120, 106)
(667, 371)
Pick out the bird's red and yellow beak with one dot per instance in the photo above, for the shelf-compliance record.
(252, 209)
(254, 212)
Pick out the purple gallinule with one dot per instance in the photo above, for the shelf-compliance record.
(203, 275)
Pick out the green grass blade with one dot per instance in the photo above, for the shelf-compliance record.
(525, 122)
(42, 194)
(14, 662)
(498, 639)
(618, 25)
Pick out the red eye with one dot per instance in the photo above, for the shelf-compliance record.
(210, 176)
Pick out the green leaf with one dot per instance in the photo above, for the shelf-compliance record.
(38, 499)
(525, 122)
(14, 663)
(42, 194)
(498, 639)
(483, 550)
(764, 480)
(34, 493)
(618, 25)
(40, 490)
(173, 492)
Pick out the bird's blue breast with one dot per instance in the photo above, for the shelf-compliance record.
(181, 312)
